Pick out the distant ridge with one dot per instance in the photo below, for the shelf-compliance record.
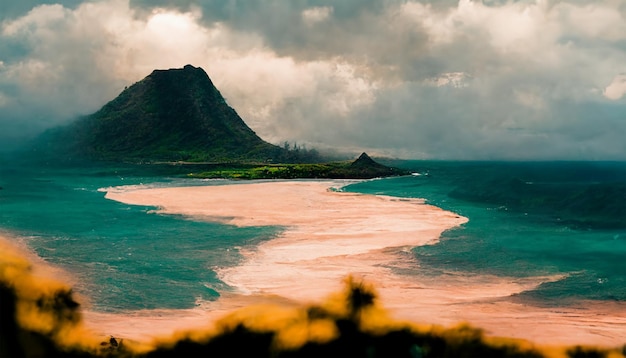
(171, 115)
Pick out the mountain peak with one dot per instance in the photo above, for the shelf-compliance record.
(366, 167)
(187, 69)
(364, 160)
(174, 114)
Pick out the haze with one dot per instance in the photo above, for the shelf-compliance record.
(518, 80)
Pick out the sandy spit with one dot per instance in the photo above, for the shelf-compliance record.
(329, 235)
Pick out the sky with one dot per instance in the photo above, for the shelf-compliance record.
(415, 79)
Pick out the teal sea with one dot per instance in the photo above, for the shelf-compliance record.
(525, 219)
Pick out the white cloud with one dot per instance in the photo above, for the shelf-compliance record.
(509, 28)
(40, 19)
(113, 45)
(603, 20)
(316, 14)
(283, 99)
(617, 88)
(411, 77)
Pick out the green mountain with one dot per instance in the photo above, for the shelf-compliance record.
(171, 115)
(178, 116)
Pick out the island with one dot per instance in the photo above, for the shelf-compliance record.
(178, 119)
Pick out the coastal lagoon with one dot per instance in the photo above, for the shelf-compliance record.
(482, 242)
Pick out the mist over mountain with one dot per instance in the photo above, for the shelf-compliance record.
(171, 115)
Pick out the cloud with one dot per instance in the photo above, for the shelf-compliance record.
(466, 79)
(107, 45)
(13, 9)
(617, 88)
(316, 14)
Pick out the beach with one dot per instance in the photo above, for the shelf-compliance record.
(328, 235)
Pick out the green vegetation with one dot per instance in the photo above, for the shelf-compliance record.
(171, 115)
(178, 117)
(362, 168)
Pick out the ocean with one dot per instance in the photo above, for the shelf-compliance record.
(525, 219)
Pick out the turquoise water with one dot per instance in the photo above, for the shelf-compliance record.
(515, 242)
(524, 221)
(122, 256)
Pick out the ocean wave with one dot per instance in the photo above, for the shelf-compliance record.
(123, 188)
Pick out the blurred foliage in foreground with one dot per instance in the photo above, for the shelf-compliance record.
(40, 318)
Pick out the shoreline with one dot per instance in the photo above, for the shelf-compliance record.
(319, 247)
(324, 229)
(331, 234)
(12, 245)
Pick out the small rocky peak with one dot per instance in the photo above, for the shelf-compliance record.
(364, 160)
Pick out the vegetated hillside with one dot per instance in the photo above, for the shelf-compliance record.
(362, 168)
(175, 114)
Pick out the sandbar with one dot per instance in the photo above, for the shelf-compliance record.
(331, 234)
